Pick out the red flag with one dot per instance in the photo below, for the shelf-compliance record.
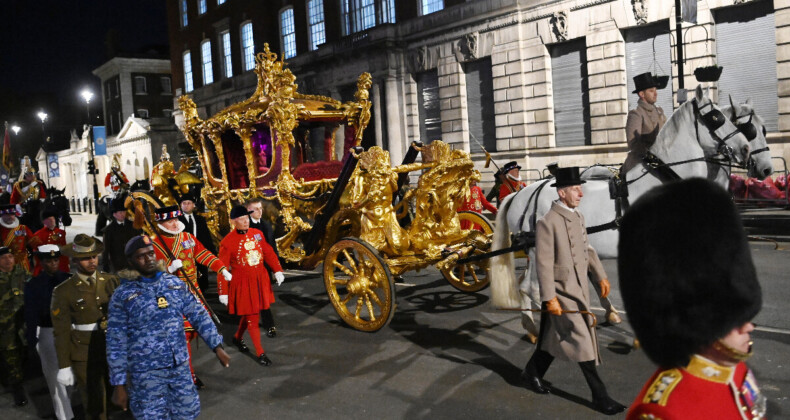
(7, 161)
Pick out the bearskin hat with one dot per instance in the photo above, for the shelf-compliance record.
(685, 270)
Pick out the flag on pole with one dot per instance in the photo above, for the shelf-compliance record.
(7, 161)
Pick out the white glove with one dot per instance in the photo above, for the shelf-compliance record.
(227, 275)
(66, 376)
(223, 299)
(174, 266)
(280, 277)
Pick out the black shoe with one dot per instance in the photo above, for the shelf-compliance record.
(240, 345)
(19, 396)
(608, 406)
(198, 383)
(272, 332)
(263, 360)
(534, 384)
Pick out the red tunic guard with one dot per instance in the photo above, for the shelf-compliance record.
(189, 250)
(701, 390)
(18, 196)
(250, 291)
(57, 236)
(18, 239)
(510, 186)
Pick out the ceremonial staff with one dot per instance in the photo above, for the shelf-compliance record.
(138, 207)
(499, 175)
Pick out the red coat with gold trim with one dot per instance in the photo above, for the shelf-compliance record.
(250, 290)
(19, 197)
(189, 250)
(57, 236)
(508, 187)
(18, 239)
(701, 390)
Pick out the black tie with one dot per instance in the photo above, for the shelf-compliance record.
(190, 224)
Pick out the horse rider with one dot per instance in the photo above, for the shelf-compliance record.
(79, 320)
(512, 180)
(38, 295)
(52, 234)
(116, 181)
(29, 187)
(692, 311)
(644, 122)
(15, 235)
(12, 347)
(146, 347)
(563, 259)
(182, 252)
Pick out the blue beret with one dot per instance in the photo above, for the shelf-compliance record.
(136, 243)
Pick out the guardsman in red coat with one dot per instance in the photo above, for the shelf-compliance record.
(115, 180)
(184, 252)
(691, 310)
(245, 251)
(29, 187)
(512, 180)
(476, 203)
(51, 234)
(15, 236)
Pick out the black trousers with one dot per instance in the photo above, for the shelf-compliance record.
(541, 360)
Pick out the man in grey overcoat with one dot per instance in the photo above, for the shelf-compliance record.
(644, 122)
(564, 260)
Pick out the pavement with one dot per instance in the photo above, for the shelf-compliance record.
(445, 355)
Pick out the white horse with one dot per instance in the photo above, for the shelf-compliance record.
(753, 128)
(694, 135)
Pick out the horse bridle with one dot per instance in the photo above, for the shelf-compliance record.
(749, 131)
(713, 120)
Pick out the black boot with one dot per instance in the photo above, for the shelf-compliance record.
(601, 400)
(263, 360)
(532, 375)
(240, 345)
(19, 396)
(198, 383)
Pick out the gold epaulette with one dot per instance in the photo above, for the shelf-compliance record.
(648, 417)
(659, 390)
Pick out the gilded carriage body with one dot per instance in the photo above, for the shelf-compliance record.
(332, 202)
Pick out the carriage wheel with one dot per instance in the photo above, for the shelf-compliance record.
(359, 284)
(473, 276)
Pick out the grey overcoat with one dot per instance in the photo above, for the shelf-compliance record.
(641, 129)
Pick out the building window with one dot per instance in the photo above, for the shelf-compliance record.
(142, 113)
(247, 47)
(220, 2)
(430, 6)
(359, 15)
(140, 87)
(315, 11)
(183, 11)
(188, 86)
(167, 113)
(167, 88)
(107, 88)
(480, 104)
(428, 104)
(571, 93)
(201, 7)
(117, 87)
(208, 70)
(288, 33)
(226, 57)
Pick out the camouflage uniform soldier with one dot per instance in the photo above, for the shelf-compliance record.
(146, 342)
(79, 318)
(12, 283)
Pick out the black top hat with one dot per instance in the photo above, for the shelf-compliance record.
(510, 166)
(49, 213)
(117, 204)
(239, 211)
(567, 177)
(685, 269)
(644, 81)
(188, 196)
(167, 213)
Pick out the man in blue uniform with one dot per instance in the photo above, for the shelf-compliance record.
(145, 339)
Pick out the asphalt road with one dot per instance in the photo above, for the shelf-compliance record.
(446, 354)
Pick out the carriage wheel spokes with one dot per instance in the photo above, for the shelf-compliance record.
(359, 284)
(474, 276)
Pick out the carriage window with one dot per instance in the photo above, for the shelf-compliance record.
(313, 153)
(262, 150)
(235, 161)
(213, 160)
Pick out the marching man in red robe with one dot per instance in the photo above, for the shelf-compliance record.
(182, 253)
(245, 251)
(15, 236)
(51, 234)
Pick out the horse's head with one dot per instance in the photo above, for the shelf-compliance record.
(753, 128)
(717, 135)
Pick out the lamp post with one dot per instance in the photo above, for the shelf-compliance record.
(43, 117)
(15, 128)
(87, 95)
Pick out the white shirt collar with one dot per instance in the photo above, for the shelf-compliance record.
(565, 207)
(254, 220)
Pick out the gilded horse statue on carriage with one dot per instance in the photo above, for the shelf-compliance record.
(332, 202)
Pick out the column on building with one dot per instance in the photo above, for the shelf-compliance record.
(607, 83)
(514, 86)
(452, 99)
(396, 126)
(782, 19)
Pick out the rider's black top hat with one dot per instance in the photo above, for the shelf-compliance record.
(567, 177)
(644, 81)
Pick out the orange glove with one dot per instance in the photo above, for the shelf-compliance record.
(553, 307)
(604, 288)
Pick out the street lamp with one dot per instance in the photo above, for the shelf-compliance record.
(43, 117)
(87, 95)
(16, 129)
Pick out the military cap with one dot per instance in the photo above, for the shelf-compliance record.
(82, 247)
(137, 242)
(4, 250)
(48, 251)
(239, 211)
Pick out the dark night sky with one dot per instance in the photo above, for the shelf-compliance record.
(48, 50)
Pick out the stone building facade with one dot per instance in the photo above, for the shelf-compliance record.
(531, 81)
